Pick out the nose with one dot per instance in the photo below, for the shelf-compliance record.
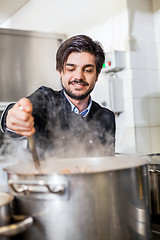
(79, 74)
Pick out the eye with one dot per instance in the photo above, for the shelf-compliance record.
(70, 69)
(88, 70)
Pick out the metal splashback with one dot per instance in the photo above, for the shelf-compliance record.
(27, 61)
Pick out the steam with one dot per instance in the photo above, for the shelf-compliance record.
(80, 140)
(15, 150)
(12, 151)
(68, 144)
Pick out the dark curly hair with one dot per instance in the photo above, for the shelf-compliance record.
(80, 43)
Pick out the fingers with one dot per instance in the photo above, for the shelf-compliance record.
(26, 133)
(25, 104)
(21, 121)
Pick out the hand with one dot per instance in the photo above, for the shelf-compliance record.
(20, 119)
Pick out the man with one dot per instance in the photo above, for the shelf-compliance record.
(67, 122)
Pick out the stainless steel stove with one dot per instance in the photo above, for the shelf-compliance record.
(155, 231)
(155, 225)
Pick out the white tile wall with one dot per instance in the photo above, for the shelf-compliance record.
(143, 142)
(156, 7)
(146, 97)
(155, 139)
(153, 83)
(139, 83)
(141, 112)
(138, 127)
(127, 56)
(145, 32)
(137, 54)
(154, 111)
(126, 119)
(141, 19)
(126, 76)
(125, 140)
(150, 55)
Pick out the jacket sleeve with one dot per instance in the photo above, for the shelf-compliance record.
(38, 99)
(4, 128)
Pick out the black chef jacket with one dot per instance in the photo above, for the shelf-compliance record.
(66, 133)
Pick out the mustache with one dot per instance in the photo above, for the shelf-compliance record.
(81, 81)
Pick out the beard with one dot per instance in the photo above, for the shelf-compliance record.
(78, 96)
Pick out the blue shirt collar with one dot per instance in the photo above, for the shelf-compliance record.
(74, 109)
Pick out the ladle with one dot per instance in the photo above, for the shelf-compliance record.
(33, 150)
(34, 153)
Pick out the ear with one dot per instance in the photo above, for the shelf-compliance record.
(59, 74)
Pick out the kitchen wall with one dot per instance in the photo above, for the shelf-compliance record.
(131, 26)
(156, 12)
(145, 76)
(138, 127)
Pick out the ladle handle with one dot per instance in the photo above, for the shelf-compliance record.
(34, 153)
(33, 150)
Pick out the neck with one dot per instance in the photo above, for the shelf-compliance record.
(80, 104)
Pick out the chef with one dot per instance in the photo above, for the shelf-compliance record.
(68, 121)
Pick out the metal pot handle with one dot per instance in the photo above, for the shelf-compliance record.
(37, 187)
(18, 227)
(40, 189)
(154, 171)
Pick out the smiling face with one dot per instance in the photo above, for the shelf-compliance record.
(79, 75)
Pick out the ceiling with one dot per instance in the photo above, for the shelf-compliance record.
(58, 16)
(9, 7)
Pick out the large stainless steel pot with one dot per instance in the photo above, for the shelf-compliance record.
(109, 202)
(5, 200)
(6, 228)
(154, 183)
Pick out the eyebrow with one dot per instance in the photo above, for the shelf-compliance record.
(72, 65)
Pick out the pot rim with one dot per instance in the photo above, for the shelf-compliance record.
(97, 164)
(7, 198)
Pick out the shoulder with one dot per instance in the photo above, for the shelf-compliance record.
(44, 93)
(44, 99)
(101, 110)
(48, 91)
(104, 116)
